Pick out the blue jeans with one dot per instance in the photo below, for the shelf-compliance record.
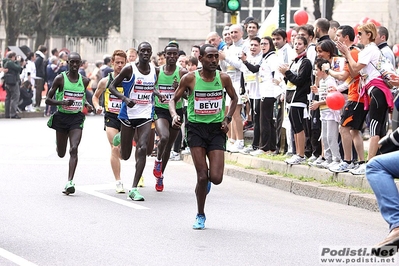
(380, 172)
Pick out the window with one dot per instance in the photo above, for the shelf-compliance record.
(259, 9)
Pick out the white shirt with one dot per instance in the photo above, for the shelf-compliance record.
(267, 88)
(30, 68)
(369, 56)
(252, 79)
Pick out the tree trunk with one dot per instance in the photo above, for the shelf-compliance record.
(11, 11)
(41, 37)
(316, 12)
(329, 9)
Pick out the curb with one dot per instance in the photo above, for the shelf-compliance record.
(298, 187)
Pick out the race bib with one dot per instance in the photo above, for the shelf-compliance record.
(77, 98)
(208, 103)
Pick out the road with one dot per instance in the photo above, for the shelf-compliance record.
(247, 223)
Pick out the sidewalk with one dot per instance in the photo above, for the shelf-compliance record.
(26, 114)
(343, 188)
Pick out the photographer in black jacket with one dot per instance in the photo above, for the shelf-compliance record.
(41, 65)
(26, 95)
(11, 82)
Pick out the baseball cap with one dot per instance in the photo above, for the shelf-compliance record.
(248, 19)
(174, 43)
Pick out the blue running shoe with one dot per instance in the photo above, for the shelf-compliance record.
(199, 222)
(208, 188)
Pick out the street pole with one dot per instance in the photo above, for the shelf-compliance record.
(234, 18)
(282, 18)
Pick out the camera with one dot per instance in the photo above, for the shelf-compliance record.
(390, 142)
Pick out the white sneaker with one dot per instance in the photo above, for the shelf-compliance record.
(247, 150)
(342, 167)
(240, 144)
(236, 147)
(233, 149)
(174, 156)
(257, 152)
(119, 187)
(334, 163)
(295, 159)
(318, 162)
(326, 163)
(186, 151)
(361, 170)
(312, 159)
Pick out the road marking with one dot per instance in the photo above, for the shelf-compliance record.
(14, 258)
(93, 190)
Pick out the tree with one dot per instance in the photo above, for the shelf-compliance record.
(69, 17)
(11, 12)
(329, 9)
(39, 16)
(91, 18)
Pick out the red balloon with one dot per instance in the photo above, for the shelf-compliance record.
(364, 20)
(355, 28)
(395, 49)
(301, 17)
(335, 100)
(375, 22)
(289, 35)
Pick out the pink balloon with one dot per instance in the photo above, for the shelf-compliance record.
(301, 17)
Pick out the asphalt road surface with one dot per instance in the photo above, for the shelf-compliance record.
(247, 223)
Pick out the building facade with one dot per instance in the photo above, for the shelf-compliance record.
(189, 22)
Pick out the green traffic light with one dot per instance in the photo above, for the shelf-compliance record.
(233, 5)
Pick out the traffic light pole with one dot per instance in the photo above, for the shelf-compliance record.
(234, 18)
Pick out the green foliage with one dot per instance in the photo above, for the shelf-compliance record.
(72, 17)
(90, 18)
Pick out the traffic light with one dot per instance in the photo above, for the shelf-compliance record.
(232, 6)
(218, 4)
(226, 6)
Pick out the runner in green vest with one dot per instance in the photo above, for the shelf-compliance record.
(207, 124)
(69, 89)
(169, 74)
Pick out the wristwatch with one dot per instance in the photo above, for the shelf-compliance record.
(228, 118)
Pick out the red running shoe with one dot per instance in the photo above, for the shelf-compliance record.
(159, 184)
(157, 169)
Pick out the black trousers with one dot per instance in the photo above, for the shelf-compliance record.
(255, 113)
(267, 127)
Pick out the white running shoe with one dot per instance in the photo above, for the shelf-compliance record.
(247, 150)
(186, 151)
(312, 159)
(342, 167)
(318, 162)
(257, 152)
(361, 170)
(119, 187)
(295, 159)
(174, 156)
